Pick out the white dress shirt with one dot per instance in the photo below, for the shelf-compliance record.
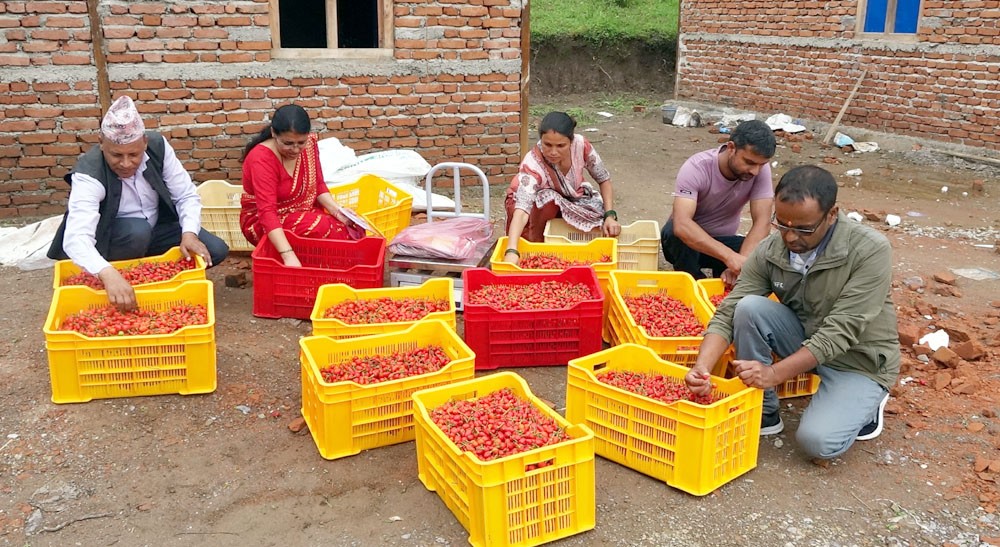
(139, 200)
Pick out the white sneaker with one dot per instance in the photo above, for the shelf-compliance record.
(874, 429)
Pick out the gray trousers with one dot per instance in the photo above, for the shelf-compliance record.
(845, 402)
(135, 238)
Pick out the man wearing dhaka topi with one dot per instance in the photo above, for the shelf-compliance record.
(130, 197)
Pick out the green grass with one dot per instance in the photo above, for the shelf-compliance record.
(604, 21)
(587, 114)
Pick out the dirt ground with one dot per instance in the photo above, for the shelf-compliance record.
(224, 469)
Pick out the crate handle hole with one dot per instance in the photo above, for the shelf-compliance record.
(544, 463)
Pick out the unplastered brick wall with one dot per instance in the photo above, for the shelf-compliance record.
(204, 75)
(803, 58)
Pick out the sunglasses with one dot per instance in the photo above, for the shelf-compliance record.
(800, 231)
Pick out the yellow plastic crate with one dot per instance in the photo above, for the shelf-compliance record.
(439, 288)
(220, 212)
(680, 285)
(712, 286)
(498, 502)
(695, 448)
(638, 243)
(64, 269)
(806, 383)
(386, 207)
(84, 368)
(593, 252)
(345, 418)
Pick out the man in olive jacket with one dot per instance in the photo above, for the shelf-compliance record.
(833, 278)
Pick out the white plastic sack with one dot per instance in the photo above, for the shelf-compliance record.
(842, 140)
(778, 121)
(784, 122)
(731, 119)
(396, 166)
(333, 155)
(935, 340)
(686, 117)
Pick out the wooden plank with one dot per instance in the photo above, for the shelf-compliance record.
(843, 109)
(100, 60)
(969, 157)
(525, 75)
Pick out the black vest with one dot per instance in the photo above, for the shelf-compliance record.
(92, 164)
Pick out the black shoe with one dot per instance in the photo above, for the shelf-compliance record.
(874, 429)
(771, 424)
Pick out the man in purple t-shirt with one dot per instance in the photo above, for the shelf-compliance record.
(712, 189)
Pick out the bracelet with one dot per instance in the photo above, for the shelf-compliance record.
(610, 213)
(509, 251)
(286, 251)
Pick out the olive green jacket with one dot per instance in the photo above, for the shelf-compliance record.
(843, 301)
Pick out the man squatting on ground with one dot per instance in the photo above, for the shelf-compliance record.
(833, 278)
(130, 197)
(712, 188)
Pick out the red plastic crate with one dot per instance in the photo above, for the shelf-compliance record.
(531, 337)
(280, 291)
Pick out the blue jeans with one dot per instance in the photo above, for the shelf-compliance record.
(686, 259)
(135, 238)
(846, 401)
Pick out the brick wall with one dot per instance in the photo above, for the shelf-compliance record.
(202, 73)
(803, 58)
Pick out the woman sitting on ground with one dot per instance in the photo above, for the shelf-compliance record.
(283, 187)
(550, 183)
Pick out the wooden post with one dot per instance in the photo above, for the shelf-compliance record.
(836, 121)
(525, 73)
(100, 60)
(677, 52)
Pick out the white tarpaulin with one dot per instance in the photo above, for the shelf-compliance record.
(26, 247)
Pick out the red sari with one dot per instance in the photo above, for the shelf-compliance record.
(274, 199)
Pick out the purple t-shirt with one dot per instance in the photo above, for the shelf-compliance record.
(720, 201)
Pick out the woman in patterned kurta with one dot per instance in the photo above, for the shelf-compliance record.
(550, 183)
(283, 187)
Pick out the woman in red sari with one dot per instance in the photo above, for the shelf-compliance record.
(283, 187)
(549, 183)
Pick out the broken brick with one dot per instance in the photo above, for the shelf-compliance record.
(946, 357)
(970, 350)
(296, 425)
(963, 386)
(947, 278)
(981, 464)
(908, 335)
(873, 216)
(941, 380)
(922, 349)
(947, 290)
